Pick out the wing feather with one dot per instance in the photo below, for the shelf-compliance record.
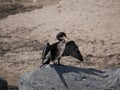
(72, 49)
(45, 51)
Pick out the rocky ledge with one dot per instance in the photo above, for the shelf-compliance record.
(60, 77)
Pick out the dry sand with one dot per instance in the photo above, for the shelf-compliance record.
(93, 24)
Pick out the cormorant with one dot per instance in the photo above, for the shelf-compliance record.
(61, 48)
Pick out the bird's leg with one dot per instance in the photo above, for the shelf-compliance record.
(59, 61)
(53, 61)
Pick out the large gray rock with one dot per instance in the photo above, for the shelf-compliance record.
(53, 77)
(3, 84)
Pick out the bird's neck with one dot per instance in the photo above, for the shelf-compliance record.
(63, 41)
(62, 44)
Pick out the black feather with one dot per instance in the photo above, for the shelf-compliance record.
(45, 51)
(72, 49)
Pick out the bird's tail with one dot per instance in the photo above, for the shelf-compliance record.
(46, 62)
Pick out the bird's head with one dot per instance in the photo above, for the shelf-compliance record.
(61, 36)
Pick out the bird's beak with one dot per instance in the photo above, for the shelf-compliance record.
(67, 38)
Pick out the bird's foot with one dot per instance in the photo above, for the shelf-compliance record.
(59, 64)
(54, 63)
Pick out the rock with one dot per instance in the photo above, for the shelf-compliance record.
(3, 84)
(60, 77)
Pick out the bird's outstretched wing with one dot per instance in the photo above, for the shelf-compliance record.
(45, 51)
(72, 49)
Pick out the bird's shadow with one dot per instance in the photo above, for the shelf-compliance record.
(61, 69)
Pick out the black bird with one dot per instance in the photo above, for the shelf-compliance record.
(62, 48)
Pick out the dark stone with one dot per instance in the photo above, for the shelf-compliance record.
(60, 77)
(3, 84)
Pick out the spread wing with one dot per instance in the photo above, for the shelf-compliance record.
(72, 49)
(45, 51)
